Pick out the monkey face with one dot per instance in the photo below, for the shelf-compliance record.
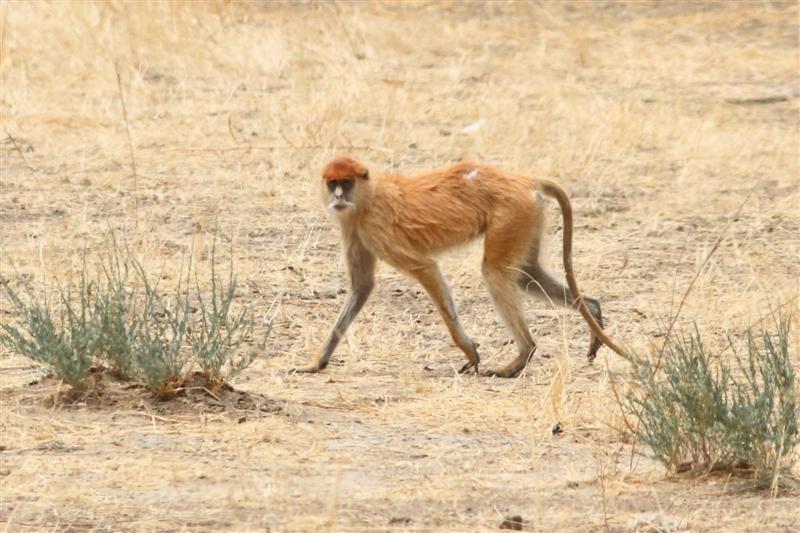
(341, 196)
(342, 178)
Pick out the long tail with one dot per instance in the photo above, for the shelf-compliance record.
(552, 189)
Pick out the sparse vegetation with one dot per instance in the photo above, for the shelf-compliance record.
(64, 339)
(125, 320)
(158, 332)
(699, 412)
(216, 336)
(113, 306)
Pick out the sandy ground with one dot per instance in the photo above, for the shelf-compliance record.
(659, 119)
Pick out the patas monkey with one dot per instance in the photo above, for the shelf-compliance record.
(406, 221)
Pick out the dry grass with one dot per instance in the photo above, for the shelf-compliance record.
(648, 113)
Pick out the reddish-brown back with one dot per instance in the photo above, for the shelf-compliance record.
(344, 168)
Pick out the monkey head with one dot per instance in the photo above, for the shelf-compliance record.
(343, 178)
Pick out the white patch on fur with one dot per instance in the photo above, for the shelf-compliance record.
(338, 191)
(470, 174)
(475, 126)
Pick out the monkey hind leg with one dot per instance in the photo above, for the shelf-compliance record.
(595, 343)
(538, 282)
(430, 277)
(506, 297)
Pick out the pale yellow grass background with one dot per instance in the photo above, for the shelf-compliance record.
(648, 113)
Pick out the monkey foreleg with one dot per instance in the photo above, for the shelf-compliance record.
(355, 301)
(361, 265)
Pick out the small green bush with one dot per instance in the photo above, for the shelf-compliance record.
(158, 335)
(217, 335)
(66, 344)
(113, 308)
(699, 413)
(126, 322)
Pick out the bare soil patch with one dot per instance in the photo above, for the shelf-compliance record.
(107, 391)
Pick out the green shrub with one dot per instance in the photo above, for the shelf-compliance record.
(157, 334)
(698, 413)
(125, 321)
(113, 308)
(66, 345)
(216, 336)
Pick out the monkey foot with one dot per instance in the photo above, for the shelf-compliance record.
(467, 367)
(305, 370)
(592, 353)
(499, 373)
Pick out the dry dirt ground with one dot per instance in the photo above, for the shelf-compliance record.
(658, 118)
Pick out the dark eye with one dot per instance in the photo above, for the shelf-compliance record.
(346, 185)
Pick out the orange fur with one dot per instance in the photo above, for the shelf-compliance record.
(405, 221)
(343, 168)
